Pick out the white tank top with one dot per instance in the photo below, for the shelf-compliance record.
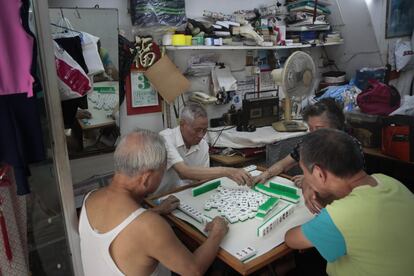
(96, 258)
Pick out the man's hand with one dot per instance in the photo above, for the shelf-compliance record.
(217, 227)
(240, 176)
(262, 178)
(298, 180)
(311, 199)
(167, 205)
(83, 114)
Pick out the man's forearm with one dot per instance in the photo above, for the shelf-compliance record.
(207, 252)
(157, 209)
(281, 166)
(295, 239)
(200, 173)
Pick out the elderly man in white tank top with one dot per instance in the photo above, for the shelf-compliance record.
(119, 237)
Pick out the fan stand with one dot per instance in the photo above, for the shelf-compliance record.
(288, 125)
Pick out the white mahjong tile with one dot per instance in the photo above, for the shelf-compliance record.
(215, 196)
(233, 219)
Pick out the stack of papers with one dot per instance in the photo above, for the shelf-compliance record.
(223, 80)
(201, 65)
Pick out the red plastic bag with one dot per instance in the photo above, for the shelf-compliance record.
(73, 82)
(378, 99)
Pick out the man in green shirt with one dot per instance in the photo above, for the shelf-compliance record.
(368, 227)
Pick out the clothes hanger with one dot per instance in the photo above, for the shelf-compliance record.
(65, 24)
(65, 28)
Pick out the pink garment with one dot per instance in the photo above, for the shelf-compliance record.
(16, 54)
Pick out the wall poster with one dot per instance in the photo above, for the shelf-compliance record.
(141, 95)
(400, 18)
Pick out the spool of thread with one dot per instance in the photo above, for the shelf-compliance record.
(188, 40)
(218, 41)
(197, 40)
(178, 40)
(167, 39)
(208, 41)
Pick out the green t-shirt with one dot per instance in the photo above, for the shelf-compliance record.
(377, 224)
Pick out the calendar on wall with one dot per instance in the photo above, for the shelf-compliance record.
(142, 92)
(141, 95)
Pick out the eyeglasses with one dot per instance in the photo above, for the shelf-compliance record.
(199, 130)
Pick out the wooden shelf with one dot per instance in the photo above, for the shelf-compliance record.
(229, 47)
(377, 153)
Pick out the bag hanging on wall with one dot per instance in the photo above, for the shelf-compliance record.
(88, 42)
(378, 99)
(157, 12)
(72, 80)
(91, 55)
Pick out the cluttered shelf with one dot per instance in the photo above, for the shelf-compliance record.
(235, 47)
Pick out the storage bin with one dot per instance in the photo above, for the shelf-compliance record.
(366, 128)
(363, 75)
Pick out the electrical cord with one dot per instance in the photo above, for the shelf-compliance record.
(361, 53)
(220, 132)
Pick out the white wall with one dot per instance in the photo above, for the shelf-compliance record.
(378, 14)
(121, 5)
(360, 48)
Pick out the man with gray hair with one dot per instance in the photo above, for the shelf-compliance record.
(187, 151)
(119, 237)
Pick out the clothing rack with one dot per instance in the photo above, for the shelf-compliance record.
(65, 28)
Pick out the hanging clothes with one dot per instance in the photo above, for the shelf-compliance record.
(16, 48)
(21, 138)
(69, 109)
(73, 46)
(24, 14)
(91, 55)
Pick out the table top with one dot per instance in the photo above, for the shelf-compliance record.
(242, 268)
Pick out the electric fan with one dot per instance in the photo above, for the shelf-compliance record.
(297, 78)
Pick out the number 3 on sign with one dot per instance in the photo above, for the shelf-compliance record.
(142, 93)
